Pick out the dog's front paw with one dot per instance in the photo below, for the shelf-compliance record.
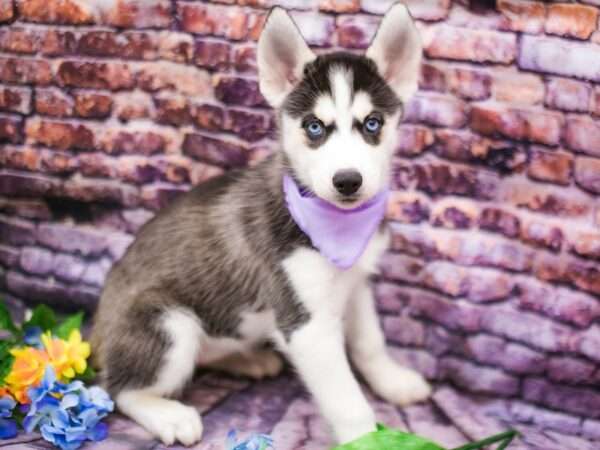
(168, 420)
(352, 424)
(176, 422)
(401, 386)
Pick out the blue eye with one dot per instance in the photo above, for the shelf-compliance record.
(372, 125)
(314, 128)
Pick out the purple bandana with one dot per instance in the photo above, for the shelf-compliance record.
(341, 235)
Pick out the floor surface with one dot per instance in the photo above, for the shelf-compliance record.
(281, 407)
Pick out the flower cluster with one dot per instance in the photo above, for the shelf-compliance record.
(67, 414)
(66, 357)
(254, 442)
(41, 367)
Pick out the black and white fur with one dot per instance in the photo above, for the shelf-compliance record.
(224, 269)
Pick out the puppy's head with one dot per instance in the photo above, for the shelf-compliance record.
(339, 112)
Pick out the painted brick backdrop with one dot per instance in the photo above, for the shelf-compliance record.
(111, 108)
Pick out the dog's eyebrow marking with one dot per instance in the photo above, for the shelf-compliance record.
(341, 82)
(361, 106)
(325, 109)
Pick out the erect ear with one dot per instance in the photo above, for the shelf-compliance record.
(396, 50)
(282, 54)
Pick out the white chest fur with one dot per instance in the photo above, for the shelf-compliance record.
(321, 286)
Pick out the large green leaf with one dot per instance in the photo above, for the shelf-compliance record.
(69, 324)
(6, 359)
(6, 321)
(42, 317)
(385, 438)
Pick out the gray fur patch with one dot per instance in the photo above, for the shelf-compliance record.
(215, 250)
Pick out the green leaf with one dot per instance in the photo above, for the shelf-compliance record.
(42, 317)
(69, 324)
(385, 438)
(505, 438)
(87, 373)
(19, 416)
(6, 322)
(6, 359)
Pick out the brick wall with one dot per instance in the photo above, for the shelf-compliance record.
(111, 108)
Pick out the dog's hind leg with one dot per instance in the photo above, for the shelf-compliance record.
(142, 387)
(257, 364)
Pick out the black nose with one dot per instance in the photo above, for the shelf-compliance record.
(347, 182)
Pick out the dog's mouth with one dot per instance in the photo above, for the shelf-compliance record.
(349, 201)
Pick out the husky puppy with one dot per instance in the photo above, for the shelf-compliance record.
(226, 269)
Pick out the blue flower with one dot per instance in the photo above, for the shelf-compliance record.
(47, 386)
(90, 420)
(8, 427)
(65, 438)
(67, 415)
(7, 404)
(33, 336)
(45, 411)
(97, 398)
(254, 442)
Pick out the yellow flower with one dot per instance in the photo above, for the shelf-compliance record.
(77, 351)
(67, 357)
(28, 369)
(57, 354)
